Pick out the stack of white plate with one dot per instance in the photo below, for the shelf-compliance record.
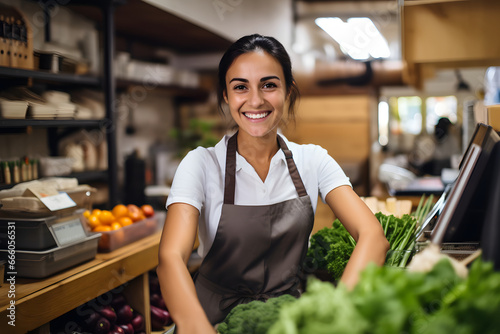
(61, 103)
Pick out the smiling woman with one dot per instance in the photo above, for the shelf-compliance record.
(252, 198)
(256, 94)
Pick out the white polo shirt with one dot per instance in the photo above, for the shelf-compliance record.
(199, 181)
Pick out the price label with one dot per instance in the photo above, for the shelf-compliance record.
(68, 231)
(58, 202)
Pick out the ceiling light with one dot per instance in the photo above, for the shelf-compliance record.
(358, 37)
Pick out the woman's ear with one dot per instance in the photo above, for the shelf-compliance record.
(224, 94)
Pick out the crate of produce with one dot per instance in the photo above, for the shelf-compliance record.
(123, 224)
(112, 240)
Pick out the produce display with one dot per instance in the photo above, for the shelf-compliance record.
(390, 300)
(160, 317)
(107, 314)
(255, 317)
(331, 247)
(121, 215)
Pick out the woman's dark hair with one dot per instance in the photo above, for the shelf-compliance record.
(252, 43)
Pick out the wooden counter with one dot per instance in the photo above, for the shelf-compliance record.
(38, 301)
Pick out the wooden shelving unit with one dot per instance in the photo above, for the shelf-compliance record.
(40, 301)
(440, 34)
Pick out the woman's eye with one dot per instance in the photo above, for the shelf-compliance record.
(270, 85)
(239, 87)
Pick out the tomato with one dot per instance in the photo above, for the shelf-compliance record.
(147, 210)
(134, 212)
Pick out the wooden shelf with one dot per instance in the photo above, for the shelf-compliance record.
(455, 34)
(39, 301)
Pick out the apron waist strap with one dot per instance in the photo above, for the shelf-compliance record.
(230, 298)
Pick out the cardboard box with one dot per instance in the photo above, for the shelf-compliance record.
(493, 116)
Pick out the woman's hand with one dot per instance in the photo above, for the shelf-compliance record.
(361, 223)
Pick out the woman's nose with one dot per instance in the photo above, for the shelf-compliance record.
(255, 98)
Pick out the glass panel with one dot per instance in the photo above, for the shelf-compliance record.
(437, 107)
(410, 114)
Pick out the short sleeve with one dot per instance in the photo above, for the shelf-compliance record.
(189, 179)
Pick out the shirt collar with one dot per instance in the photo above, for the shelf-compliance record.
(221, 148)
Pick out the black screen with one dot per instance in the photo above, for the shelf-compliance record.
(465, 209)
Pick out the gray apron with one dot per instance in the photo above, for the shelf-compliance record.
(258, 251)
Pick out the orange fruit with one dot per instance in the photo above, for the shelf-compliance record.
(96, 212)
(102, 228)
(115, 226)
(106, 217)
(87, 213)
(93, 221)
(120, 210)
(125, 221)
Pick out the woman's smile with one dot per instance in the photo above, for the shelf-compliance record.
(256, 116)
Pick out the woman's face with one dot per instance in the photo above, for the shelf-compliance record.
(256, 93)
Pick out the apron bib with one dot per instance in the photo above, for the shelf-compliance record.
(258, 250)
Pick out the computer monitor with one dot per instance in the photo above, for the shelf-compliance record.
(490, 238)
(464, 212)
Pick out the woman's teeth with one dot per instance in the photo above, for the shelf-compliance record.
(256, 116)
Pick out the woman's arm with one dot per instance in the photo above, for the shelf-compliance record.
(360, 222)
(177, 286)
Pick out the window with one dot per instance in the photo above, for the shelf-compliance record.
(437, 107)
(405, 116)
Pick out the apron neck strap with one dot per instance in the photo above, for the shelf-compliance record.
(230, 183)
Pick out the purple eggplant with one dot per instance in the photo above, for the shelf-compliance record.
(124, 314)
(109, 313)
(102, 326)
(159, 318)
(154, 284)
(138, 322)
(128, 328)
(157, 300)
(116, 330)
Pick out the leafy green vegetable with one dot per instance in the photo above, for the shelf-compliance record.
(321, 242)
(321, 309)
(337, 258)
(331, 248)
(255, 317)
(390, 300)
(400, 232)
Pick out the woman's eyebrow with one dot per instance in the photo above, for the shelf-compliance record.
(238, 79)
(261, 80)
(269, 78)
